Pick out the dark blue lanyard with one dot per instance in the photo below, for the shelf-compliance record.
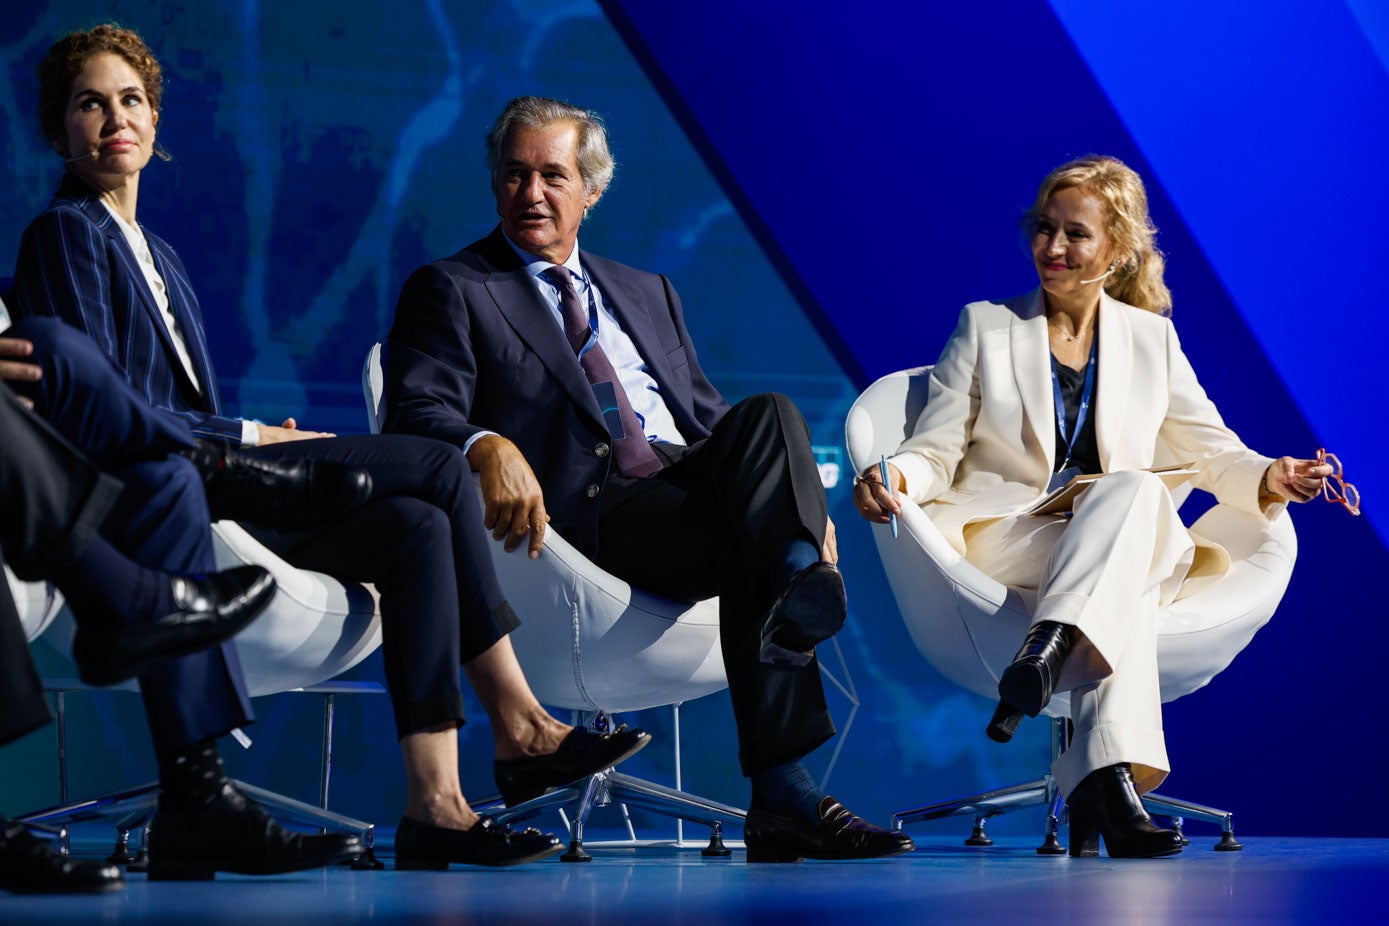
(1087, 391)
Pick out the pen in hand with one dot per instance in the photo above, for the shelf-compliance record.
(882, 471)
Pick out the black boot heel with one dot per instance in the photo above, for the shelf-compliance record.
(1084, 837)
(1004, 723)
(162, 870)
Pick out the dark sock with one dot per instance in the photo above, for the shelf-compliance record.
(787, 790)
(107, 588)
(191, 777)
(800, 554)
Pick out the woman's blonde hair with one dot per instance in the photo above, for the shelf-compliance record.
(1138, 280)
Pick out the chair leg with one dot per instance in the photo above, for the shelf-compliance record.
(1051, 845)
(1180, 811)
(716, 848)
(978, 837)
(984, 804)
(593, 790)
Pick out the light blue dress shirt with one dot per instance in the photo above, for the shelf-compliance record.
(655, 417)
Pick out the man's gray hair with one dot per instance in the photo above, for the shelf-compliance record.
(596, 164)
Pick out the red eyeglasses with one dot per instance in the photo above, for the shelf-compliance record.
(1334, 488)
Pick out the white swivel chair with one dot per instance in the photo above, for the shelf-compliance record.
(592, 644)
(968, 626)
(314, 629)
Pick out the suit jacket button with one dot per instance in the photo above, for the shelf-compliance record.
(592, 490)
(601, 450)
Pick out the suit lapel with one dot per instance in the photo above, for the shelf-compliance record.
(1112, 387)
(183, 304)
(1031, 356)
(511, 287)
(99, 214)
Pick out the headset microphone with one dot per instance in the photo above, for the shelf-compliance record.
(1098, 278)
(80, 157)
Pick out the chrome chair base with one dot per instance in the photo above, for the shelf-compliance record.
(613, 787)
(1043, 792)
(138, 804)
(625, 791)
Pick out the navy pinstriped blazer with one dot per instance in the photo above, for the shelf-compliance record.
(75, 264)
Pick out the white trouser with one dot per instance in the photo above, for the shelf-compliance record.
(1105, 571)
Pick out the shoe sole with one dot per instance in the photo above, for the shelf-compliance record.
(183, 870)
(766, 854)
(511, 797)
(1024, 685)
(414, 863)
(807, 614)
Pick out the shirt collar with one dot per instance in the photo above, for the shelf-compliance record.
(535, 265)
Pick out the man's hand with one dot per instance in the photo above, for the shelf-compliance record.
(830, 551)
(514, 505)
(269, 434)
(17, 371)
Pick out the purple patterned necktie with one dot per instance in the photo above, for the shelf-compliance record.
(631, 452)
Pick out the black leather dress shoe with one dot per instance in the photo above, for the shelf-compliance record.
(211, 608)
(838, 834)
(1106, 804)
(582, 753)
(809, 611)
(1029, 680)
(234, 833)
(423, 847)
(29, 865)
(282, 495)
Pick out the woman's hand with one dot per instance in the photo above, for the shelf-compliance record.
(269, 434)
(872, 499)
(1295, 480)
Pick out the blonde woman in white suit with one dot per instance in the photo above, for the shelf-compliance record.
(1083, 375)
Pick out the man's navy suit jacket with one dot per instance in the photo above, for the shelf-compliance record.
(474, 348)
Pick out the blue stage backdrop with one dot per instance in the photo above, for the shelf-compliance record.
(826, 186)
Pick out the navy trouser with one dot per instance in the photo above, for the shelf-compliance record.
(419, 540)
(160, 520)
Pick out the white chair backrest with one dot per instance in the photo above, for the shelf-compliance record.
(589, 641)
(374, 388)
(38, 604)
(967, 625)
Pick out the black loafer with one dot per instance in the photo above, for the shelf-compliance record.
(234, 833)
(582, 753)
(838, 834)
(28, 865)
(809, 611)
(423, 847)
(212, 608)
(281, 495)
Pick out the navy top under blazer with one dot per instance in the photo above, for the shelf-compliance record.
(76, 265)
(474, 348)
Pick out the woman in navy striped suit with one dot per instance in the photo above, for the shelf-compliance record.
(87, 260)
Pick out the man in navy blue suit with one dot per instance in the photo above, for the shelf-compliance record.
(67, 520)
(573, 387)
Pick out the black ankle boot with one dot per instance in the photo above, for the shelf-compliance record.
(1027, 683)
(1106, 804)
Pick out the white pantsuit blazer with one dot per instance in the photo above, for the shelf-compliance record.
(985, 443)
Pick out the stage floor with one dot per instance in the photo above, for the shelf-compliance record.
(1271, 881)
